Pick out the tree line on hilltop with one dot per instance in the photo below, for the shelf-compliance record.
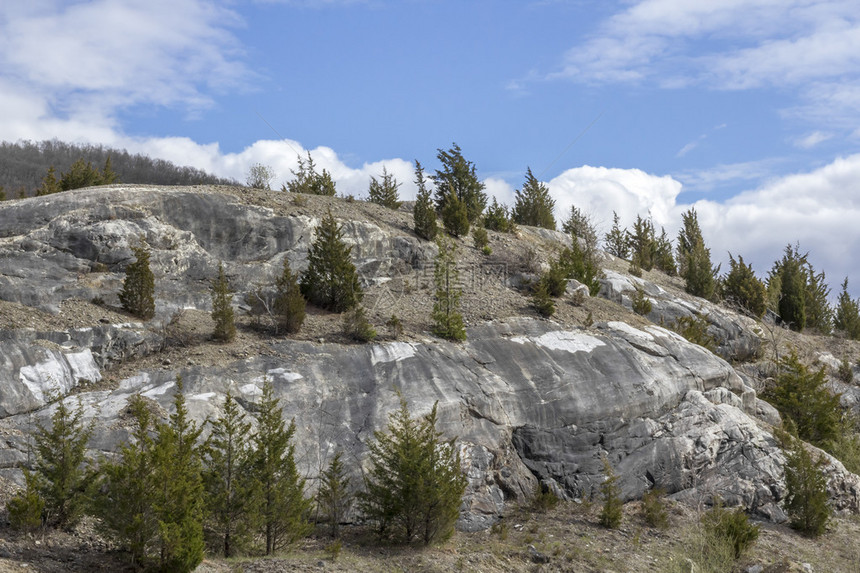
(29, 168)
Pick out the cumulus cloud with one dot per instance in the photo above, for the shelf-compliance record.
(819, 210)
(809, 47)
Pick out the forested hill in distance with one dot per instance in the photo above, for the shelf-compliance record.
(23, 165)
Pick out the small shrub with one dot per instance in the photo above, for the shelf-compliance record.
(695, 330)
(333, 549)
(26, 508)
(500, 529)
(731, 526)
(480, 237)
(222, 309)
(641, 303)
(806, 499)
(395, 327)
(300, 200)
(635, 270)
(487, 250)
(845, 372)
(611, 514)
(544, 499)
(654, 508)
(356, 325)
(138, 288)
(542, 301)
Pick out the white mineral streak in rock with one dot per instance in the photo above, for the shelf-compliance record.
(206, 396)
(59, 373)
(159, 390)
(391, 352)
(563, 340)
(251, 390)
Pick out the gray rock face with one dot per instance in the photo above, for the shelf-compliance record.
(735, 334)
(525, 398)
(48, 243)
(528, 400)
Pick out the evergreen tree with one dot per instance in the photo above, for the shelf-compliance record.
(138, 288)
(231, 495)
(61, 466)
(611, 514)
(533, 204)
(641, 242)
(178, 496)
(743, 288)
(694, 259)
(847, 317)
(50, 184)
(307, 180)
(542, 301)
(127, 489)
(2, 193)
(331, 280)
(792, 283)
(581, 264)
(616, 239)
(415, 484)
(579, 225)
(385, 192)
(283, 506)
(423, 213)
(335, 496)
(802, 397)
(108, 175)
(289, 304)
(27, 508)
(498, 218)
(819, 315)
(455, 216)
(447, 320)
(356, 326)
(806, 498)
(662, 255)
(80, 174)
(458, 176)
(222, 309)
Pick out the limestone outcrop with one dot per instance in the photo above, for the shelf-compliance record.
(527, 399)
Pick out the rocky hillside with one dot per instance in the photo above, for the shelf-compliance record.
(529, 400)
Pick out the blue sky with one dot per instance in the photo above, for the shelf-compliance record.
(748, 110)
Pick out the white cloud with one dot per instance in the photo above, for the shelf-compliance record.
(813, 139)
(819, 209)
(799, 45)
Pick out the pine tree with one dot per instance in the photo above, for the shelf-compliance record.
(80, 174)
(61, 466)
(27, 508)
(743, 288)
(108, 175)
(331, 280)
(307, 180)
(578, 263)
(806, 496)
(694, 259)
(385, 192)
(138, 288)
(498, 218)
(335, 496)
(231, 495)
(847, 316)
(616, 239)
(662, 254)
(533, 204)
(611, 514)
(356, 326)
(414, 487)
(641, 242)
(2, 193)
(542, 301)
(423, 213)
(447, 320)
(803, 397)
(127, 489)
(222, 309)
(458, 176)
(50, 184)
(283, 506)
(579, 225)
(289, 304)
(819, 314)
(455, 216)
(178, 496)
(792, 292)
